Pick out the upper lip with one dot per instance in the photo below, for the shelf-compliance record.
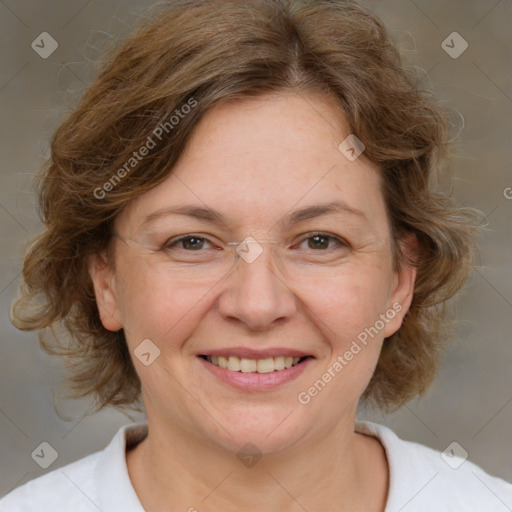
(250, 353)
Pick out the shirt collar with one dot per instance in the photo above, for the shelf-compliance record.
(115, 490)
(112, 471)
(392, 446)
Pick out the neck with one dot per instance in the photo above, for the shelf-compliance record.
(189, 473)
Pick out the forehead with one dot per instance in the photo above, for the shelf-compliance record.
(263, 158)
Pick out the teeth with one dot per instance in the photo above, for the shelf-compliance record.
(279, 363)
(234, 364)
(268, 365)
(248, 365)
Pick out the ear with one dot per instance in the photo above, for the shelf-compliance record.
(402, 290)
(103, 280)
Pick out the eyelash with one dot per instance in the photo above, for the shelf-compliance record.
(174, 241)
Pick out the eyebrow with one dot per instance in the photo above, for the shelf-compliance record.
(215, 217)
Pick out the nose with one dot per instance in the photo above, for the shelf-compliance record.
(256, 293)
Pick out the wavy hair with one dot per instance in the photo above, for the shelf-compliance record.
(216, 51)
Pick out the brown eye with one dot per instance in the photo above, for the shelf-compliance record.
(189, 243)
(320, 241)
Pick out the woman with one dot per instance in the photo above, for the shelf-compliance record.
(241, 230)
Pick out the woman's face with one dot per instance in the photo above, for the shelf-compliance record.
(257, 162)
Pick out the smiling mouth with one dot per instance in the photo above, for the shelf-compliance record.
(267, 365)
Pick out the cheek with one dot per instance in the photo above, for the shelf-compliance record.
(153, 305)
(349, 304)
(348, 313)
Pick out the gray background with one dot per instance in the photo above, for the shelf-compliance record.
(471, 400)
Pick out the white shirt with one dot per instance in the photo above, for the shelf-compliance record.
(420, 480)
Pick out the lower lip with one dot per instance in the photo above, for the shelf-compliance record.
(256, 381)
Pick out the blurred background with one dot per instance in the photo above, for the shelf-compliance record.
(471, 401)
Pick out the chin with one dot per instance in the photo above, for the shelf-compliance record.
(269, 433)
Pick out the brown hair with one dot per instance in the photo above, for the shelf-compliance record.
(215, 51)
